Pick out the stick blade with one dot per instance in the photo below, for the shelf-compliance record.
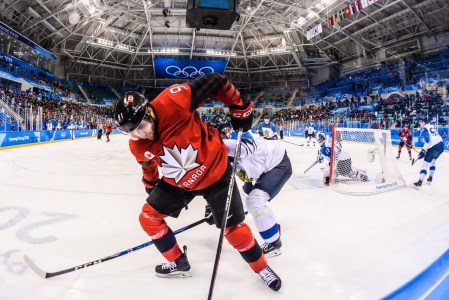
(34, 267)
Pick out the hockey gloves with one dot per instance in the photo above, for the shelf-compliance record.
(421, 154)
(208, 216)
(149, 185)
(242, 116)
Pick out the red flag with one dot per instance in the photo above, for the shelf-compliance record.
(328, 23)
(348, 11)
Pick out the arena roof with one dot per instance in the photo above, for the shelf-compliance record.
(116, 41)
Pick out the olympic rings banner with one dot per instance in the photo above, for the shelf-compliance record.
(187, 68)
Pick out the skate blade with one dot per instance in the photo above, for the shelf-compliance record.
(177, 274)
(273, 253)
(416, 187)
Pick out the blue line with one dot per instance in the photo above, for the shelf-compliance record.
(423, 282)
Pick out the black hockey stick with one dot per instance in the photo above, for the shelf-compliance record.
(299, 145)
(44, 274)
(225, 215)
(415, 160)
(411, 147)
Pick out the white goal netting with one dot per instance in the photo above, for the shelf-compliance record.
(362, 162)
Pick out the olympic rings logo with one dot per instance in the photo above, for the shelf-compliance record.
(187, 72)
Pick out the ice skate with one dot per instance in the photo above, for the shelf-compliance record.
(417, 184)
(180, 268)
(429, 180)
(271, 279)
(397, 157)
(272, 249)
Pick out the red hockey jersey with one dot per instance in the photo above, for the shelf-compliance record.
(190, 154)
(406, 136)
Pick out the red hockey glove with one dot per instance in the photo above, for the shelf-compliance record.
(242, 116)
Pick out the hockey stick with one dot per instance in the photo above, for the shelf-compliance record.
(415, 160)
(44, 274)
(299, 145)
(311, 166)
(411, 147)
(225, 215)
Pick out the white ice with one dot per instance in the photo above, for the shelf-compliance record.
(68, 203)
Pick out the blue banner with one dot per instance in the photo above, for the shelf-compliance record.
(55, 135)
(339, 110)
(83, 133)
(186, 68)
(8, 76)
(14, 138)
(4, 28)
(368, 107)
(18, 138)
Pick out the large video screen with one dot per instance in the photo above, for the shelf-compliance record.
(186, 68)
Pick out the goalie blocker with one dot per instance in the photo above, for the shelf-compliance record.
(367, 148)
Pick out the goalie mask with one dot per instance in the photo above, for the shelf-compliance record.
(321, 138)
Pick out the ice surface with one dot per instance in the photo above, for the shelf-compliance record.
(68, 203)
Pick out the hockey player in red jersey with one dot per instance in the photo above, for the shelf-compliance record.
(406, 139)
(167, 132)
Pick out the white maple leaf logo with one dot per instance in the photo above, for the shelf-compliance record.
(177, 162)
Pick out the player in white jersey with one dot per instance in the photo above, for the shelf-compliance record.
(264, 167)
(432, 149)
(267, 129)
(310, 134)
(342, 157)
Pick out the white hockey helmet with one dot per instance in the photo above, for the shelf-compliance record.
(321, 138)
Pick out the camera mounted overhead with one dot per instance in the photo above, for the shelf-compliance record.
(212, 14)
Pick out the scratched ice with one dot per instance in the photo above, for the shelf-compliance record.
(70, 203)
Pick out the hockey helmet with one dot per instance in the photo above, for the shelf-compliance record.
(423, 119)
(220, 123)
(321, 137)
(129, 112)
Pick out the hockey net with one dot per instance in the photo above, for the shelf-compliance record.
(362, 162)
